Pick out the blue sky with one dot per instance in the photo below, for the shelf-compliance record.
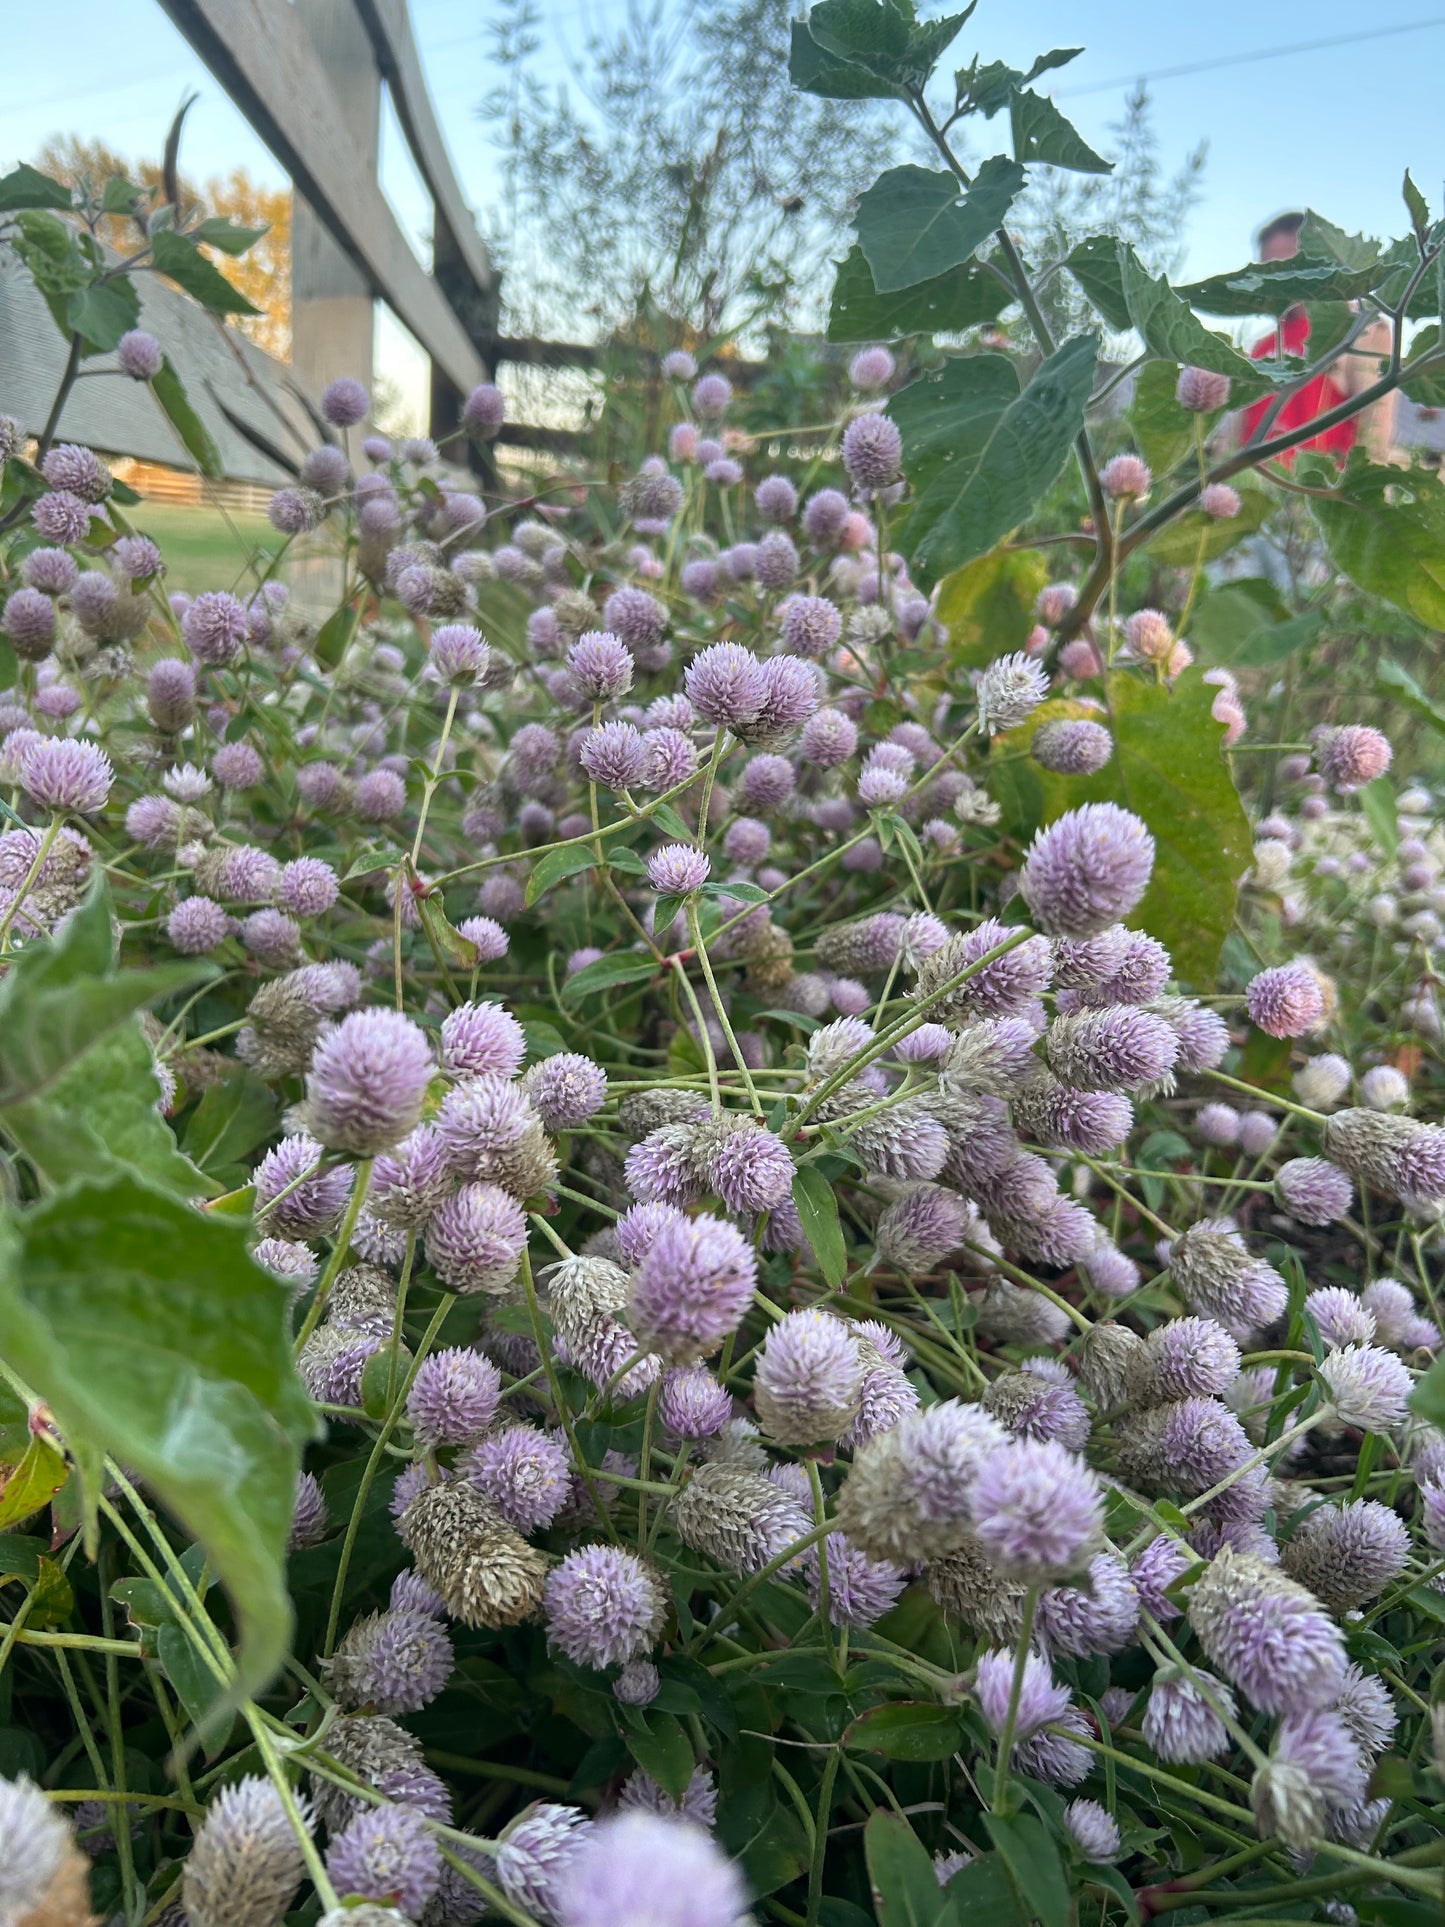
(1334, 127)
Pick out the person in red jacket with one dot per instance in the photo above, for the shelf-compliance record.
(1278, 240)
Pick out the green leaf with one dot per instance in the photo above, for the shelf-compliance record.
(950, 303)
(1269, 287)
(1163, 431)
(1167, 768)
(983, 1892)
(233, 1118)
(818, 1209)
(333, 638)
(1094, 264)
(1397, 681)
(980, 454)
(370, 861)
(906, 1892)
(1381, 812)
(660, 1747)
(1195, 536)
(195, 1684)
(175, 405)
(623, 967)
(177, 259)
(1428, 390)
(27, 187)
(1416, 206)
(884, 37)
(119, 195)
(1321, 240)
(1033, 1863)
(229, 236)
(667, 820)
(33, 1483)
(986, 608)
(813, 70)
(984, 88)
(913, 226)
(908, 1730)
(1249, 630)
(154, 1337)
(1168, 328)
(1385, 530)
(556, 866)
(51, 1599)
(103, 312)
(443, 935)
(1041, 133)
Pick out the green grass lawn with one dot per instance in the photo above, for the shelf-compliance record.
(204, 549)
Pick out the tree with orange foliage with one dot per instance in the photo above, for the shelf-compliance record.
(263, 274)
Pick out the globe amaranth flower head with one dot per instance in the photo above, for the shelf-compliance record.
(245, 1865)
(1368, 1387)
(215, 627)
(30, 623)
(1313, 1190)
(1201, 390)
(139, 355)
(525, 1473)
(644, 1867)
(344, 402)
(808, 1379)
(453, 1397)
(909, 1493)
(565, 1090)
(614, 755)
(1397, 1155)
(1087, 869)
(691, 1288)
(1352, 756)
(1038, 1509)
(294, 1193)
(1348, 1554)
(1009, 691)
(1266, 1634)
(477, 1038)
(678, 869)
(474, 1240)
(997, 986)
(393, 1662)
(1184, 1720)
(1093, 1830)
(389, 1854)
(1126, 478)
(872, 451)
(1041, 1702)
(725, 683)
(1285, 1001)
(603, 1606)
(534, 1853)
(459, 653)
(65, 773)
(38, 1860)
(1072, 746)
(748, 1166)
(196, 925)
(600, 666)
(367, 1082)
(1112, 1049)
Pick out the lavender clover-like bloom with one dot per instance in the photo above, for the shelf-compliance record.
(692, 1288)
(641, 1868)
(603, 1606)
(1087, 870)
(64, 773)
(1038, 1509)
(387, 1853)
(367, 1082)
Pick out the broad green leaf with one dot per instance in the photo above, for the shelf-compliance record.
(1168, 328)
(443, 935)
(984, 87)
(1195, 536)
(556, 867)
(177, 259)
(370, 861)
(1032, 1859)
(229, 236)
(1094, 264)
(175, 405)
(1320, 239)
(1394, 678)
(1416, 206)
(1163, 431)
(1381, 812)
(27, 187)
(27, 1560)
(908, 1730)
(1385, 530)
(1269, 287)
(1246, 625)
(986, 608)
(818, 1210)
(1428, 390)
(154, 1337)
(982, 1891)
(119, 195)
(103, 312)
(906, 1892)
(100, 1115)
(33, 1483)
(624, 967)
(813, 70)
(950, 303)
(61, 997)
(980, 454)
(914, 224)
(884, 37)
(1167, 768)
(661, 1747)
(1041, 133)
(233, 1118)
(333, 638)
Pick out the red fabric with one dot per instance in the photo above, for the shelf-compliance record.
(1322, 394)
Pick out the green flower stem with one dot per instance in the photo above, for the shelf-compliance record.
(1001, 1802)
(820, 1514)
(564, 1411)
(694, 931)
(434, 780)
(16, 1634)
(820, 1830)
(750, 1585)
(315, 1866)
(395, 1412)
(338, 1253)
(1265, 1097)
(680, 971)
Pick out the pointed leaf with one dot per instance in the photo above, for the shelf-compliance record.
(1385, 529)
(1269, 287)
(980, 455)
(334, 636)
(818, 1210)
(986, 608)
(1041, 133)
(906, 1892)
(33, 1483)
(1094, 264)
(177, 259)
(908, 1730)
(813, 70)
(154, 1337)
(443, 935)
(607, 973)
(175, 405)
(27, 187)
(1169, 329)
(103, 312)
(1416, 206)
(556, 867)
(1163, 430)
(913, 225)
(947, 304)
(227, 235)
(1033, 1862)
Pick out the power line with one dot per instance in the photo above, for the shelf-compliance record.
(1259, 53)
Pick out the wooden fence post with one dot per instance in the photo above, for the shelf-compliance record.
(333, 313)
